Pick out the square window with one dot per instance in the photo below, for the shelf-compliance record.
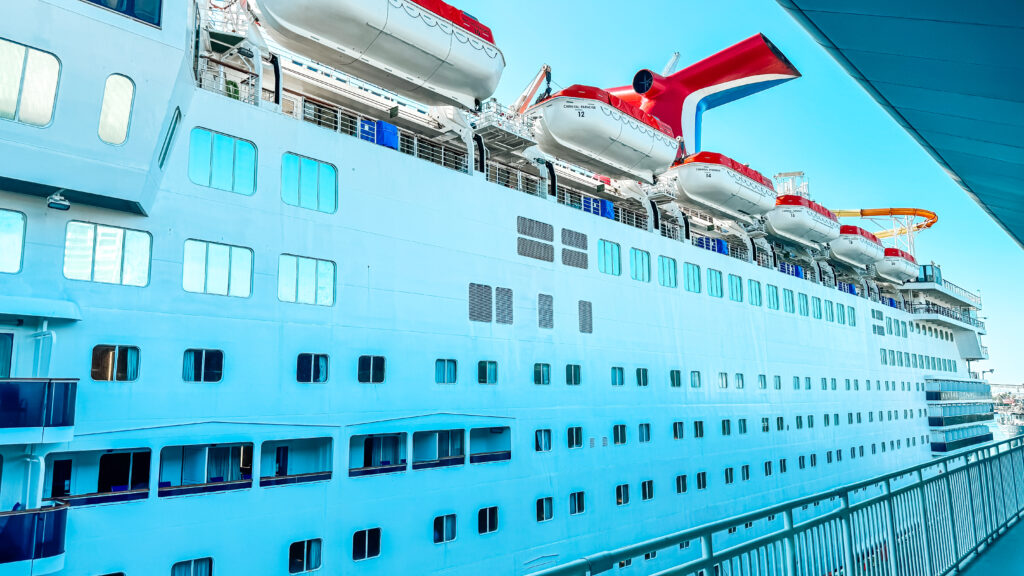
(304, 556)
(366, 544)
(371, 369)
(444, 528)
(576, 503)
(487, 520)
(487, 372)
(311, 368)
(445, 371)
(544, 509)
(115, 363)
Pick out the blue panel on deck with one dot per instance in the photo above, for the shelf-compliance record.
(387, 135)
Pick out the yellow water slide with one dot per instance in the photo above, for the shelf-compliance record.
(928, 218)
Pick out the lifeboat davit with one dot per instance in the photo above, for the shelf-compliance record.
(723, 185)
(897, 266)
(857, 247)
(591, 128)
(803, 221)
(425, 50)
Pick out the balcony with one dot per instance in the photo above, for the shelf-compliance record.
(942, 314)
(36, 411)
(35, 538)
(930, 278)
(941, 421)
(958, 444)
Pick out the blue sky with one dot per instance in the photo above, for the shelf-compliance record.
(854, 154)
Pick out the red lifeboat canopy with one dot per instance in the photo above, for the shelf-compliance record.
(858, 231)
(592, 93)
(794, 200)
(897, 253)
(458, 17)
(723, 160)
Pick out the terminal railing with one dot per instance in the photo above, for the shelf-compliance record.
(926, 520)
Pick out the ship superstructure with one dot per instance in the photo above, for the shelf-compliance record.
(248, 297)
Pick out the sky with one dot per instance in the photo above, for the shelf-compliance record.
(825, 124)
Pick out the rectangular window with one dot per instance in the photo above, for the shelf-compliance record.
(115, 363)
(608, 257)
(544, 509)
(675, 378)
(840, 314)
(147, 11)
(777, 381)
(715, 283)
(762, 381)
(487, 520)
(574, 437)
(739, 381)
(116, 109)
(12, 240)
(743, 425)
(304, 556)
(645, 433)
(667, 272)
(371, 369)
(647, 489)
(541, 374)
(745, 472)
(678, 430)
(220, 269)
(444, 528)
(305, 280)
(622, 494)
(754, 292)
(681, 484)
(309, 183)
(698, 428)
(691, 277)
(445, 371)
(726, 427)
(106, 254)
(618, 376)
(366, 544)
(222, 162)
(804, 307)
(311, 368)
(702, 480)
(197, 567)
(640, 265)
(641, 377)
(723, 379)
(735, 288)
(816, 307)
(787, 300)
(542, 441)
(487, 372)
(577, 504)
(204, 365)
(695, 379)
(830, 315)
(29, 87)
(796, 382)
(728, 475)
(773, 297)
(619, 434)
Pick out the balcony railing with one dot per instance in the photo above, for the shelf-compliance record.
(940, 421)
(295, 478)
(36, 403)
(165, 489)
(383, 468)
(960, 444)
(932, 308)
(483, 457)
(32, 534)
(927, 520)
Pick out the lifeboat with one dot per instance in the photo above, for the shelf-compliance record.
(425, 50)
(897, 266)
(857, 247)
(589, 127)
(803, 221)
(723, 185)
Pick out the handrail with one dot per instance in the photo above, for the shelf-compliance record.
(931, 308)
(943, 490)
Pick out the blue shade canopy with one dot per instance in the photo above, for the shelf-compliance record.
(950, 74)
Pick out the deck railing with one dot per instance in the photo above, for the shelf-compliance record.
(932, 308)
(926, 520)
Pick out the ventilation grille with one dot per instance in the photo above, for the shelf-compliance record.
(545, 311)
(536, 250)
(480, 303)
(574, 258)
(574, 239)
(536, 229)
(503, 305)
(586, 317)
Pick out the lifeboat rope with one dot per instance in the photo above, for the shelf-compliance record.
(930, 218)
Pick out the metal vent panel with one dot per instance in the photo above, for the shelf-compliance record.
(503, 305)
(536, 250)
(480, 305)
(545, 311)
(536, 229)
(574, 258)
(574, 239)
(586, 317)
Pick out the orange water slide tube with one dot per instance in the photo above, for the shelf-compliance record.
(928, 217)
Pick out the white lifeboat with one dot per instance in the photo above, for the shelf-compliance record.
(857, 247)
(425, 50)
(803, 221)
(897, 266)
(723, 185)
(589, 127)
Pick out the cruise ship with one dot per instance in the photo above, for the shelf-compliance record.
(284, 290)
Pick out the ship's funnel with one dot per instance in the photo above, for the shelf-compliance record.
(746, 68)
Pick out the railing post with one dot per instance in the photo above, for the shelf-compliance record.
(788, 550)
(924, 517)
(847, 536)
(952, 512)
(890, 528)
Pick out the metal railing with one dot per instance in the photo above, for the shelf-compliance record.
(962, 292)
(932, 308)
(37, 403)
(984, 351)
(927, 520)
